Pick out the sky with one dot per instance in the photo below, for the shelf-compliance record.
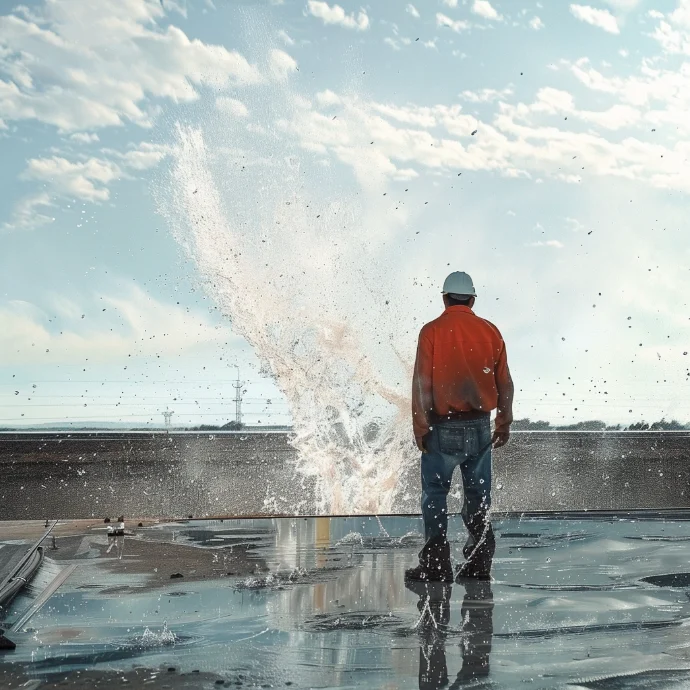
(541, 147)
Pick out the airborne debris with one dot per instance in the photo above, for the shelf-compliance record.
(473, 133)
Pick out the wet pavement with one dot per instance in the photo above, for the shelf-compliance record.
(321, 603)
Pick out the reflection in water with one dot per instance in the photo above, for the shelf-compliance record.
(477, 631)
(477, 618)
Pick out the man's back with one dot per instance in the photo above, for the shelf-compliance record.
(461, 365)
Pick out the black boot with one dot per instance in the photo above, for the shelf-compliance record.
(481, 546)
(434, 563)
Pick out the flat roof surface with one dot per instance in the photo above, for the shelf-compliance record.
(322, 603)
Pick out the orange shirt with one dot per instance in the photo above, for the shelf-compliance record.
(461, 362)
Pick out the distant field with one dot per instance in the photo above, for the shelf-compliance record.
(70, 475)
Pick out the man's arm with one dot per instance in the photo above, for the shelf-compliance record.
(506, 391)
(422, 397)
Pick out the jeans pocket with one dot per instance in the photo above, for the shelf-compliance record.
(452, 440)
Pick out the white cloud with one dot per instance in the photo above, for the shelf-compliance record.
(652, 87)
(285, 37)
(337, 15)
(602, 19)
(623, 5)
(85, 180)
(450, 3)
(483, 8)
(328, 98)
(554, 100)
(232, 106)
(140, 157)
(29, 213)
(431, 44)
(456, 25)
(281, 64)
(148, 327)
(536, 23)
(672, 40)
(486, 95)
(616, 117)
(655, 14)
(412, 10)
(84, 137)
(179, 6)
(546, 243)
(681, 15)
(109, 73)
(518, 140)
(392, 43)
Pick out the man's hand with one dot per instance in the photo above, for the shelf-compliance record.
(421, 443)
(500, 437)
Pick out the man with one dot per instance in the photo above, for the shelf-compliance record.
(461, 374)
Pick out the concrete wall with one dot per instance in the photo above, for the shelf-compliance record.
(50, 475)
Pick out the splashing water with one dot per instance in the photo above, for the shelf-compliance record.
(150, 638)
(297, 273)
(351, 538)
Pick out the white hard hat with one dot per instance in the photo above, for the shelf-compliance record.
(458, 283)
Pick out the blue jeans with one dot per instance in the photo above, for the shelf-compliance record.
(451, 443)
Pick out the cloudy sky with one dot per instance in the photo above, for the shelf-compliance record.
(542, 147)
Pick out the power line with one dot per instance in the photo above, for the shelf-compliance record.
(126, 416)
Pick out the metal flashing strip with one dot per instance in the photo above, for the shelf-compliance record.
(10, 576)
(43, 597)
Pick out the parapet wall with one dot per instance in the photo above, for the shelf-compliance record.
(47, 475)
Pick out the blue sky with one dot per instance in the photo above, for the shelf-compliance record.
(542, 147)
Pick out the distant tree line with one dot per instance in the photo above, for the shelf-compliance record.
(597, 425)
(230, 426)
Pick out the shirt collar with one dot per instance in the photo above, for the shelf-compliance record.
(458, 308)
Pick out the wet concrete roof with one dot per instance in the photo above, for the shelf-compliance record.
(321, 603)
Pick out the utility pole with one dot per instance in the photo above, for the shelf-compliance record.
(167, 415)
(238, 399)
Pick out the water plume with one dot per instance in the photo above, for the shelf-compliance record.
(301, 278)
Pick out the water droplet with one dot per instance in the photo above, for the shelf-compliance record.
(499, 486)
(548, 560)
(487, 370)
